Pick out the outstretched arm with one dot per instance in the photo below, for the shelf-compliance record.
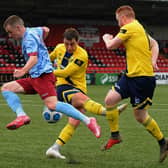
(111, 42)
(68, 71)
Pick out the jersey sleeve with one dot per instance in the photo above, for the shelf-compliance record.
(124, 33)
(31, 46)
(40, 31)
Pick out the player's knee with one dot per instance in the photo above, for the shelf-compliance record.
(140, 115)
(107, 101)
(78, 100)
(77, 104)
(74, 122)
(51, 105)
(139, 119)
(4, 87)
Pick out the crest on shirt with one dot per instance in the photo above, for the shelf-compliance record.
(123, 31)
(78, 62)
(137, 100)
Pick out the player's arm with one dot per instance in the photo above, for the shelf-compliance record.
(31, 47)
(30, 63)
(155, 52)
(70, 69)
(46, 31)
(111, 42)
(53, 54)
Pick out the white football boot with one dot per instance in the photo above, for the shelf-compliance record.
(53, 152)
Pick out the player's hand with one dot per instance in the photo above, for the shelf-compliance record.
(155, 66)
(18, 73)
(107, 37)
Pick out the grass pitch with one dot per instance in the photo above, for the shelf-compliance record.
(26, 147)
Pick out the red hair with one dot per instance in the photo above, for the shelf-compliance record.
(125, 10)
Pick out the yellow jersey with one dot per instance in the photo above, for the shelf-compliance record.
(71, 68)
(138, 51)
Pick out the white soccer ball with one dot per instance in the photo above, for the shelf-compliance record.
(51, 116)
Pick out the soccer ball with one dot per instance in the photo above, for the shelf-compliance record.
(51, 116)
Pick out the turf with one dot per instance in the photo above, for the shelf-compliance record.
(25, 147)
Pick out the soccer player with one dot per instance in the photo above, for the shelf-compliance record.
(139, 82)
(72, 61)
(41, 80)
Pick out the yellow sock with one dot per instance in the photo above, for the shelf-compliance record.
(112, 116)
(94, 107)
(151, 125)
(65, 134)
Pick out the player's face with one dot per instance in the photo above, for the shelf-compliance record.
(70, 45)
(13, 32)
(119, 18)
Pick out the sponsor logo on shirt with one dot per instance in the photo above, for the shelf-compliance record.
(123, 31)
(78, 62)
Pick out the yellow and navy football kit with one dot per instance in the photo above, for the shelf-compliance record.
(139, 82)
(71, 72)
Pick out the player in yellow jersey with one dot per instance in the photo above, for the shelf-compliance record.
(139, 82)
(72, 61)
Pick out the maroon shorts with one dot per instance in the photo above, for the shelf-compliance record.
(44, 85)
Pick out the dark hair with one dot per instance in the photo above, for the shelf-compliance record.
(71, 33)
(13, 20)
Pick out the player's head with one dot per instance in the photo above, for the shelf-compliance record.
(124, 14)
(14, 26)
(71, 38)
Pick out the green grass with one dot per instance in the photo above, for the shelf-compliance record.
(25, 147)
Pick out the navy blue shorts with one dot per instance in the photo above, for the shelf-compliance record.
(139, 89)
(65, 92)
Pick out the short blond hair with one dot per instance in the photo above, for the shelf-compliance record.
(125, 10)
(13, 20)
